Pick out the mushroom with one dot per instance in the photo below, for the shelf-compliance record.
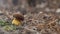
(18, 18)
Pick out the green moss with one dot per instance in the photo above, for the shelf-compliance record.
(2, 23)
(9, 27)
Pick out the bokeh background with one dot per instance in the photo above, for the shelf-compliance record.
(40, 16)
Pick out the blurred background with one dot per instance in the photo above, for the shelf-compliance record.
(29, 6)
(41, 16)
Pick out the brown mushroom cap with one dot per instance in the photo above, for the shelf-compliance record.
(18, 16)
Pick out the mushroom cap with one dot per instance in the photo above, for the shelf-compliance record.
(18, 16)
